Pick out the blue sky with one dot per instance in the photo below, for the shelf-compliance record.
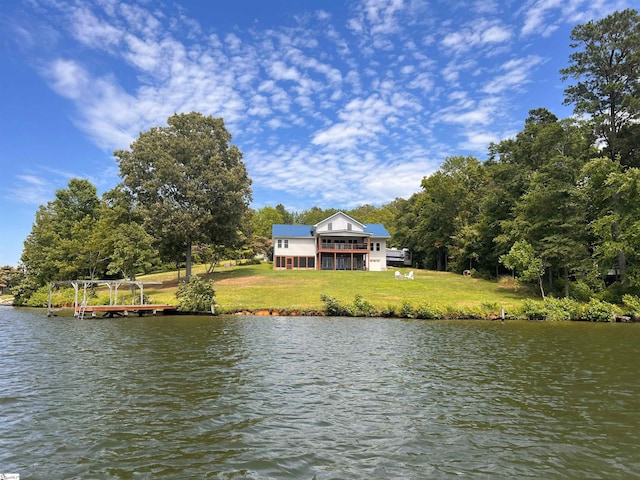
(334, 103)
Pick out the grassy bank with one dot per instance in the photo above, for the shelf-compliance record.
(259, 287)
(260, 290)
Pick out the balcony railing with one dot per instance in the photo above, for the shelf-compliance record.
(344, 247)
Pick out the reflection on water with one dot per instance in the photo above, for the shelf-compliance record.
(324, 398)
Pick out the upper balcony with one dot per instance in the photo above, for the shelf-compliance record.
(344, 247)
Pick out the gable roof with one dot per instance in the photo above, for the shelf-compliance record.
(339, 214)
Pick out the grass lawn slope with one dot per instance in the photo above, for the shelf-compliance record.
(259, 287)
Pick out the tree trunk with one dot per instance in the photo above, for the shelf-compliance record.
(187, 269)
(566, 282)
(541, 284)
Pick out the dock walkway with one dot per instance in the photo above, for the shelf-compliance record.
(122, 310)
(81, 309)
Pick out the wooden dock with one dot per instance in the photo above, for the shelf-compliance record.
(122, 310)
(114, 309)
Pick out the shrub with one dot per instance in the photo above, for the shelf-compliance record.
(196, 296)
(613, 293)
(581, 291)
(406, 310)
(428, 312)
(332, 307)
(631, 306)
(533, 310)
(362, 307)
(560, 309)
(389, 311)
(598, 311)
(39, 298)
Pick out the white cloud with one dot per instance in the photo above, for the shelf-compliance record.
(516, 74)
(479, 34)
(30, 189)
(68, 78)
(361, 120)
(321, 104)
(92, 31)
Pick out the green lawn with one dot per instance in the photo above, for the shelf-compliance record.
(257, 287)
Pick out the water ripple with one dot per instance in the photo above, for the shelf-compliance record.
(273, 398)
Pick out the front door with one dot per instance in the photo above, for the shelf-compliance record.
(289, 262)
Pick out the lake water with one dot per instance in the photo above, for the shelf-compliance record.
(316, 398)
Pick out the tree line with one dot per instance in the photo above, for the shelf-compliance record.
(558, 204)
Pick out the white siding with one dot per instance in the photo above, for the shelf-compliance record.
(298, 247)
(339, 222)
(378, 259)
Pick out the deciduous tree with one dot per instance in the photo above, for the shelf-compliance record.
(189, 182)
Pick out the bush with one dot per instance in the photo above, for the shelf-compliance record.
(631, 306)
(598, 311)
(332, 307)
(389, 311)
(533, 310)
(562, 309)
(196, 296)
(39, 298)
(362, 308)
(613, 293)
(581, 291)
(428, 312)
(406, 310)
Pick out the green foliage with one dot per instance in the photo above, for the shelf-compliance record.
(599, 311)
(523, 260)
(631, 306)
(189, 183)
(264, 219)
(196, 295)
(389, 311)
(407, 311)
(605, 67)
(581, 291)
(427, 312)
(562, 309)
(59, 246)
(533, 310)
(332, 306)
(38, 298)
(551, 309)
(362, 308)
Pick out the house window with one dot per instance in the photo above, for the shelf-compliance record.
(349, 226)
(329, 226)
(377, 247)
(311, 262)
(286, 244)
(279, 243)
(371, 245)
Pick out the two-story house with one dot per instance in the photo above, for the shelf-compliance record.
(336, 243)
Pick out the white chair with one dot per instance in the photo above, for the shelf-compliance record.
(399, 276)
(410, 276)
